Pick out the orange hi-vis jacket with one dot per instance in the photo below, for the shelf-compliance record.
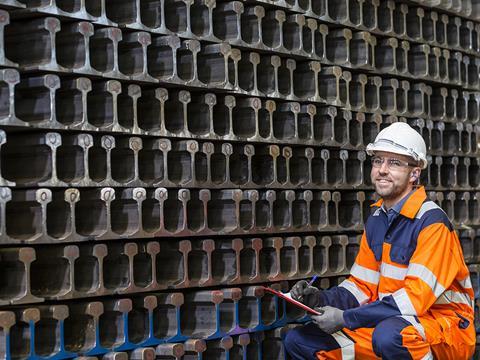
(408, 265)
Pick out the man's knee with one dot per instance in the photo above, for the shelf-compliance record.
(304, 341)
(387, 337)
(294, 345)
(291, 339)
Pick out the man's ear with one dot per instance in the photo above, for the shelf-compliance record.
(415, 175)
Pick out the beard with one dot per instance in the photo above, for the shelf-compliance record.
(390, 190)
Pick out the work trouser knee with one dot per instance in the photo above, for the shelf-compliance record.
(400, 338)
(305, 341)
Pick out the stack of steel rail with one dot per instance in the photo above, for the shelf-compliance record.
(162, 160)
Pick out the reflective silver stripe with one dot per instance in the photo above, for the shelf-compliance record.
(424, 273)
(429, 356)
(426, 206)
(381, 295)
(365, 274)
(347, 346)
(403, 302)
(392, 271)
(466, 283)
(377, 212)
(406, 150)
(361, 297)
(416, 325)
(451, 296)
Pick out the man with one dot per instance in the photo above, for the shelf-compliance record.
(409, 294)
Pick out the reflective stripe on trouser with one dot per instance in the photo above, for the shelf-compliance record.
(393, 338)
(306, 341)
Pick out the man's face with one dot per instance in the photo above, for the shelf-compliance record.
(391, 182)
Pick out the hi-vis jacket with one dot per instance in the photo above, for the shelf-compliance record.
(411, 265)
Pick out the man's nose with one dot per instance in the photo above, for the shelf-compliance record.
(384, 167)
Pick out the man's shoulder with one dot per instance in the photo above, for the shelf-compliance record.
(431, 213)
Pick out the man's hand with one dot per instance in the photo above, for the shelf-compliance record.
(306, 294)
(331, 319)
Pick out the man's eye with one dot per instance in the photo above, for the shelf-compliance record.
(396, 163)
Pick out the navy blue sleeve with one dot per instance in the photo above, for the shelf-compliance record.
(370, 315)
(338, 297)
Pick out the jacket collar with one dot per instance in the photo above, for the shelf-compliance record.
(412, 205)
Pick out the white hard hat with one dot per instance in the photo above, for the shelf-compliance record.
(400, 138)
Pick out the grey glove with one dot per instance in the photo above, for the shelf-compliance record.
(308, 295)
(331, 319)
